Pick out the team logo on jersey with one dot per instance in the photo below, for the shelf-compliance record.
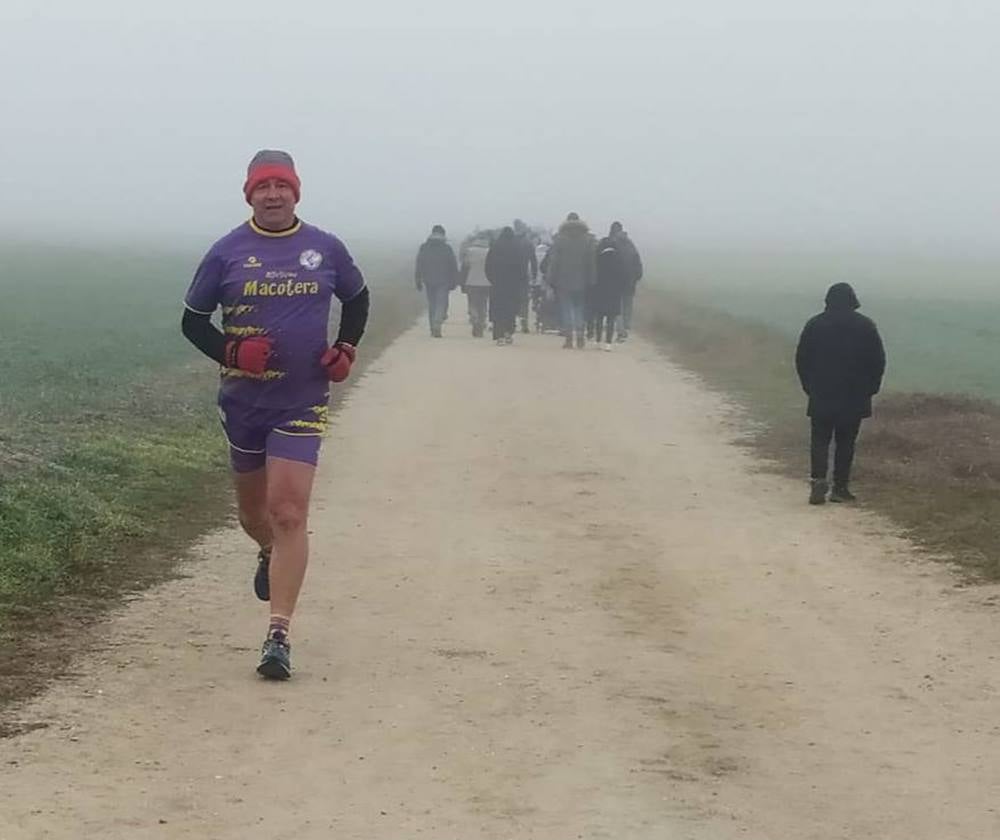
(252, 262)
(310, 259)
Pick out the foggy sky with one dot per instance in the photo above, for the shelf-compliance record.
(802, 122)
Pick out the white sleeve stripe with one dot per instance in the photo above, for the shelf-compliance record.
(358, 292)
(197, 311)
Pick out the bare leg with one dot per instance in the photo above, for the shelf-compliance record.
(251, 500)
(289, 486)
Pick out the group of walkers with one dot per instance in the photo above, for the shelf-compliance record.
(274, 278)
(591, 284)
(840, 359)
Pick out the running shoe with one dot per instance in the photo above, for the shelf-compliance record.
(275, 659)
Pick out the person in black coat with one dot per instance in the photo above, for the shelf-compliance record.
(840, 362)
(612, 278)
(633, 265)
(507, 271)
(437, 274)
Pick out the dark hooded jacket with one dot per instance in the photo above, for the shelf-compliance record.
(840, 359)
(571, 258)
(613, 277)
(633, 262)
(507, 271)
(436, 264)
(507, 264)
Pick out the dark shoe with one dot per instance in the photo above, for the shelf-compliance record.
(842, 494)
(568, 343)
(436, 333)
(262, 577)
(275, 659)
(817, 493)
(580, 342)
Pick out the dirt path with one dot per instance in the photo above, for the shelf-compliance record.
(576, 611)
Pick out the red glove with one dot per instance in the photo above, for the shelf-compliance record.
(338, 360)
(249, 354)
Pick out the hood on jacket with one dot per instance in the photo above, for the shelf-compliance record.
(841, 296)
(574, 227)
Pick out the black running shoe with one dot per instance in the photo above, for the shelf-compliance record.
(262, 577)
(275, 659)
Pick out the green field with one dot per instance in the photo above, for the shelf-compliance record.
(940, 319)
(109, 442)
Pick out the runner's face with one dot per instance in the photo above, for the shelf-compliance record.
(273, 203)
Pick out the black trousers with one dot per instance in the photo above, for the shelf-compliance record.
(504, 304)
(605, 324)
(844, 434)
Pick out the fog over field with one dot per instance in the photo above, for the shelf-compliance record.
(856, 124)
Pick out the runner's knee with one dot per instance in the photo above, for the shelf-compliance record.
(287, 516)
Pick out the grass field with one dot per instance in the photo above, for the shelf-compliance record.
(110, 450)
(940, 318)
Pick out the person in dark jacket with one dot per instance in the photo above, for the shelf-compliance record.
(570, 271)
(612, 278)
(633, 267)
(507, 271)
(840, 362)
(437, 274)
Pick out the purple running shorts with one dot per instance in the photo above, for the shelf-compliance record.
(256, 434)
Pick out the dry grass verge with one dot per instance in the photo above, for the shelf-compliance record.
(931, 462)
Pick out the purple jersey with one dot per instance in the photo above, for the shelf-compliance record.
(278, 285)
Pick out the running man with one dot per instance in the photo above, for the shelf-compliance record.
(274, 277)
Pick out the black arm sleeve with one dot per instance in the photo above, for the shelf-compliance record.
(354, 318)
(203, 334)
